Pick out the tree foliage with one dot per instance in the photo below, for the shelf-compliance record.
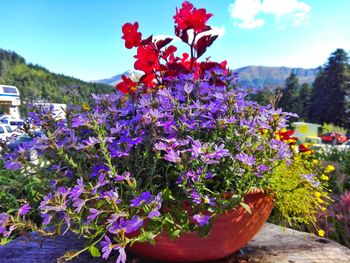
(330, 101)
(290, 101)
(36, 83)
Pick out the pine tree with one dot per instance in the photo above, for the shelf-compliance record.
(305, 101)
(330, 98)
(290, 98)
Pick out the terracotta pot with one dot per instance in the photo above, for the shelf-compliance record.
(230, 232)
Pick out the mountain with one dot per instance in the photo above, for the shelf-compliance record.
(272, 77)
(134, 75)
(36, 83)
(250, 76)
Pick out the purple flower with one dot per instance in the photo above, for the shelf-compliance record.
(201, 219)
(246, 159)
(188, 88)
(80, 120)
(210, 201)
(107, 247)
(101, 182)
(93, 214)
(78, 203)
(160, 146)
(172, 156)
(78, 189)
(144, 198)
(156, 204)
(261, 169)
(24, 209)
(128, 226)
(47, 218)
(3, 220)
(91, 141)
(134, 224)
(196, 149)
(310, 178)
(13, 165)
(126, 176)
(111, 195)
(98, 169)
(196, 197)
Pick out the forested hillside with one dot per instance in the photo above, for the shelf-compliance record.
(37, 83)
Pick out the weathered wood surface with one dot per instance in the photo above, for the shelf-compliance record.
(271, 245)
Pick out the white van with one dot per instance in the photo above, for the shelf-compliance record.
(11, 121)
(5, 131)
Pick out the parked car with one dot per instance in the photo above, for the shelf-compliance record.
(25, 139)
(333, 137)
(5, 131)
(13, 122)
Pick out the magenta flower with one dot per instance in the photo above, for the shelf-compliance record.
(24, 209)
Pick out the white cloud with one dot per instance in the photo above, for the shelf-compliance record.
(245, 12)
(215, 30)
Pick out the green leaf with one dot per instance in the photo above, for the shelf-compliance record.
(246, 207)
(94, 252)
(204, 230)
(174, 234)
(166, 193)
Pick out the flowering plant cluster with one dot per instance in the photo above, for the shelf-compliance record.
(180, 146)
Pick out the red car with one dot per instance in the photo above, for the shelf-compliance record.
(333, 137)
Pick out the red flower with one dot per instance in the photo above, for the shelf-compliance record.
(148, 79)
(147, 59)
(169, 53)
(286, 136)
(198, 19)
(131, 36)
(304, 149)
(127, 85)
(182, 15)
(188, 17)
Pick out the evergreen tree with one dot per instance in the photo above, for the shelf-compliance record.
(305, 101)
(330, 98)
(290, 98)
(36, 83)
(262, 96)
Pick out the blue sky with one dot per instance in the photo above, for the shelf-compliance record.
(82, 38)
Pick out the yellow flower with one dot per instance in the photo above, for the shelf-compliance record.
(315, 161)
(320, 201)
(329, 168)
(317, 194)
(85, 107)
(321, 232)
(323, 208)
(324, 177)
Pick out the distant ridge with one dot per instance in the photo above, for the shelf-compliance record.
(117, 78)
(273, 77)
(250, 76)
